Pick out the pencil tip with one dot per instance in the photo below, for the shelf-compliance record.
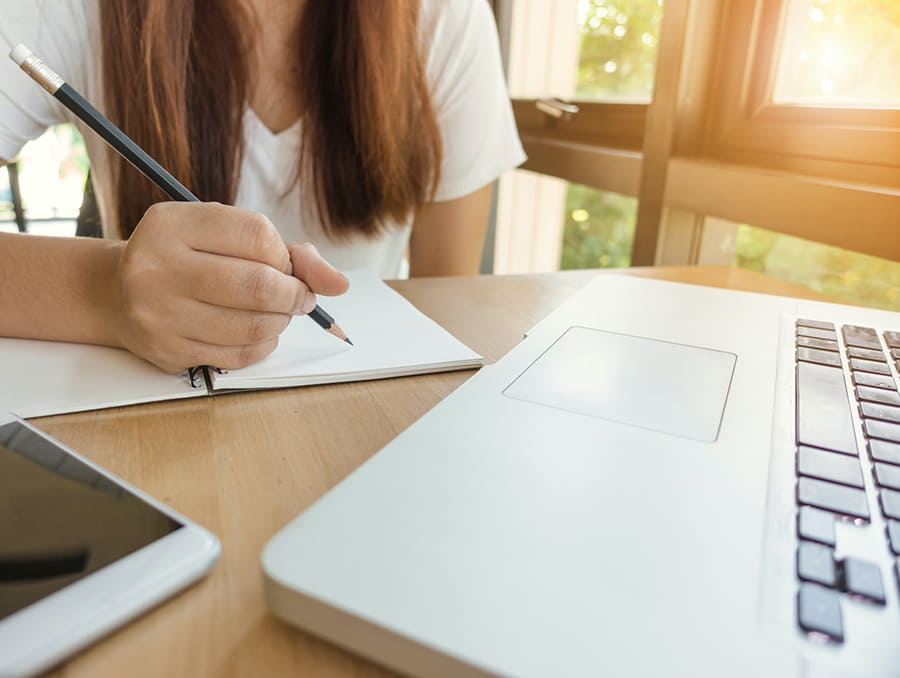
(339, 333)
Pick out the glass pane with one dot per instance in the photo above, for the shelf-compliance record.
(617, 58)
(598, 229)
(840, 52)
(856, 278)
(585, 49)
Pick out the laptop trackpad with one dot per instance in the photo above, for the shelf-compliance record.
(671, 388)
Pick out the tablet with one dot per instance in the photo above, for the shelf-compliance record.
(81, 551)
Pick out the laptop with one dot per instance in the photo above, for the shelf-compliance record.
(660, 479)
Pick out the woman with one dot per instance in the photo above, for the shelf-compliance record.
(369, 128)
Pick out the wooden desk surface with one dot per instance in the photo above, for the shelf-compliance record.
(243, 465)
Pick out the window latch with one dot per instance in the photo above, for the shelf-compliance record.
(556, 108)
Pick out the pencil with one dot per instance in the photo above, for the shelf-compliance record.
(123, 145)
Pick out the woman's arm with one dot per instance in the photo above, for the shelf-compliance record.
(448, 237)
(58, 288)
(196, 284)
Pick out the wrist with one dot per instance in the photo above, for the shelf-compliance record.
(109, 325)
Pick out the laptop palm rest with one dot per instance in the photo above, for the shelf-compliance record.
(672, 388)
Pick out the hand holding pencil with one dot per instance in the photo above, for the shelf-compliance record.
(208, 284)
(200, 283)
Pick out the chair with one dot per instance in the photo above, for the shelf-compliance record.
(13, 170)
(88, 224)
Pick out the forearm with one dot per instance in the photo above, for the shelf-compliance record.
(62, 289)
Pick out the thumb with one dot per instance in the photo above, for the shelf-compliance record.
(320, 276)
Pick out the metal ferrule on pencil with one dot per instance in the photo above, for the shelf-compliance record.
(45, 76)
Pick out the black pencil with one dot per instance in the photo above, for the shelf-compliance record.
(122, 144)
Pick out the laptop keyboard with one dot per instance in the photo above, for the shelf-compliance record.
(839, 369)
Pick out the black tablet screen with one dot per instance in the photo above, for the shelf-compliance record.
(60, 520)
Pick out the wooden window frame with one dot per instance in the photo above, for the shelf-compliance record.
(837, 142)
(607, 124)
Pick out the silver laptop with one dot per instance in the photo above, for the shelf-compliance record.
(660, 479)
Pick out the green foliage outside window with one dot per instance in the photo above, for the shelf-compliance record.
(618, 48)
(855, 277)
(599, 229)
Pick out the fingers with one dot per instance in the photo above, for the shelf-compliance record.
(224, 357)
(235, 357)
(240, 284)
(224, 230)
(319, 276)
(229, 327)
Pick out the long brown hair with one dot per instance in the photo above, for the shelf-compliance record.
(176, 80)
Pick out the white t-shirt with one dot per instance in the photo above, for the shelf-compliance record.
(462, 66)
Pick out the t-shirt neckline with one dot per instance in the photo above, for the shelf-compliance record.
(288, 132)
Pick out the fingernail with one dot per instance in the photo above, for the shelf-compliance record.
(309, 303)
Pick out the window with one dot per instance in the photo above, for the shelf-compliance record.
(601, 55)
(800, 88)
(784, 114)
(52, 172)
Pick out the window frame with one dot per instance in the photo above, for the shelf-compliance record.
(747, 126)
(712, 119)
(609, 124)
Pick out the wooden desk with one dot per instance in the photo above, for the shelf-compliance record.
(243, 465)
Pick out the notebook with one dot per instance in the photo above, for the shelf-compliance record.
(391, 339)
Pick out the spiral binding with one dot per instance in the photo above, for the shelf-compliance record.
(197, 376)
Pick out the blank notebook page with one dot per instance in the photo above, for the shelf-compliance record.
(48, 377)
(391, 338)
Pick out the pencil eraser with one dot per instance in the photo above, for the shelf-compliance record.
(19, 54)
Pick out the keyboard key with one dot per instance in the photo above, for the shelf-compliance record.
(893, 530)
(838, 468)
(881, 450)
(817, 333)
(866, 354)
(877, 395)
(824, 344)
(814, 355)
(864, 337)
(890, 504)
(816, 563)
(848, 501)
(816, 525)
(818, 324)
(858, 365)
(888, 476)
(882, 429)
(864, 579)
(823, 411)
(878, 411)
(874, 380)
(892, 339)
(819, 611)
